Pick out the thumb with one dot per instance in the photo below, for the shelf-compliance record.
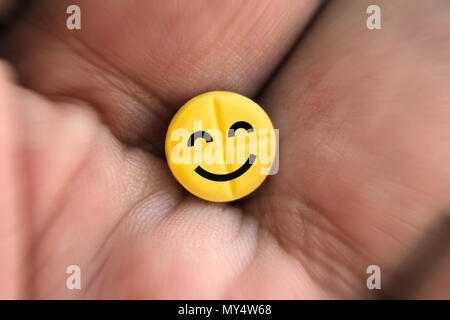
(11, 250)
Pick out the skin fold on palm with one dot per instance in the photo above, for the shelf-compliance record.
(364, 148)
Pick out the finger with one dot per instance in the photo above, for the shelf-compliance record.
(363, 117)
(137, 63)
(12, 225)
(81, 183)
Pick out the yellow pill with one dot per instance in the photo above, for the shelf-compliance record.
(221, 146)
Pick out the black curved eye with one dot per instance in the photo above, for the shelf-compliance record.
(199, 134)
(239, 125)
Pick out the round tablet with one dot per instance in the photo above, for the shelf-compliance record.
(221, 146)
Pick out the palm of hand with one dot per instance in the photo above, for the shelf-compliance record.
(364, 169)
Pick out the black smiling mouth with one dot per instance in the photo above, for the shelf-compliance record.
(227, 176)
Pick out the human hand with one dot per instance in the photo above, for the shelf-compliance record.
(364, 174)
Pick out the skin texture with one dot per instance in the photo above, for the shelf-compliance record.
(5, 7)
(365, 150)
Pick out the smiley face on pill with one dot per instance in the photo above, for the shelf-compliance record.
(220, 146)
(231, 133)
